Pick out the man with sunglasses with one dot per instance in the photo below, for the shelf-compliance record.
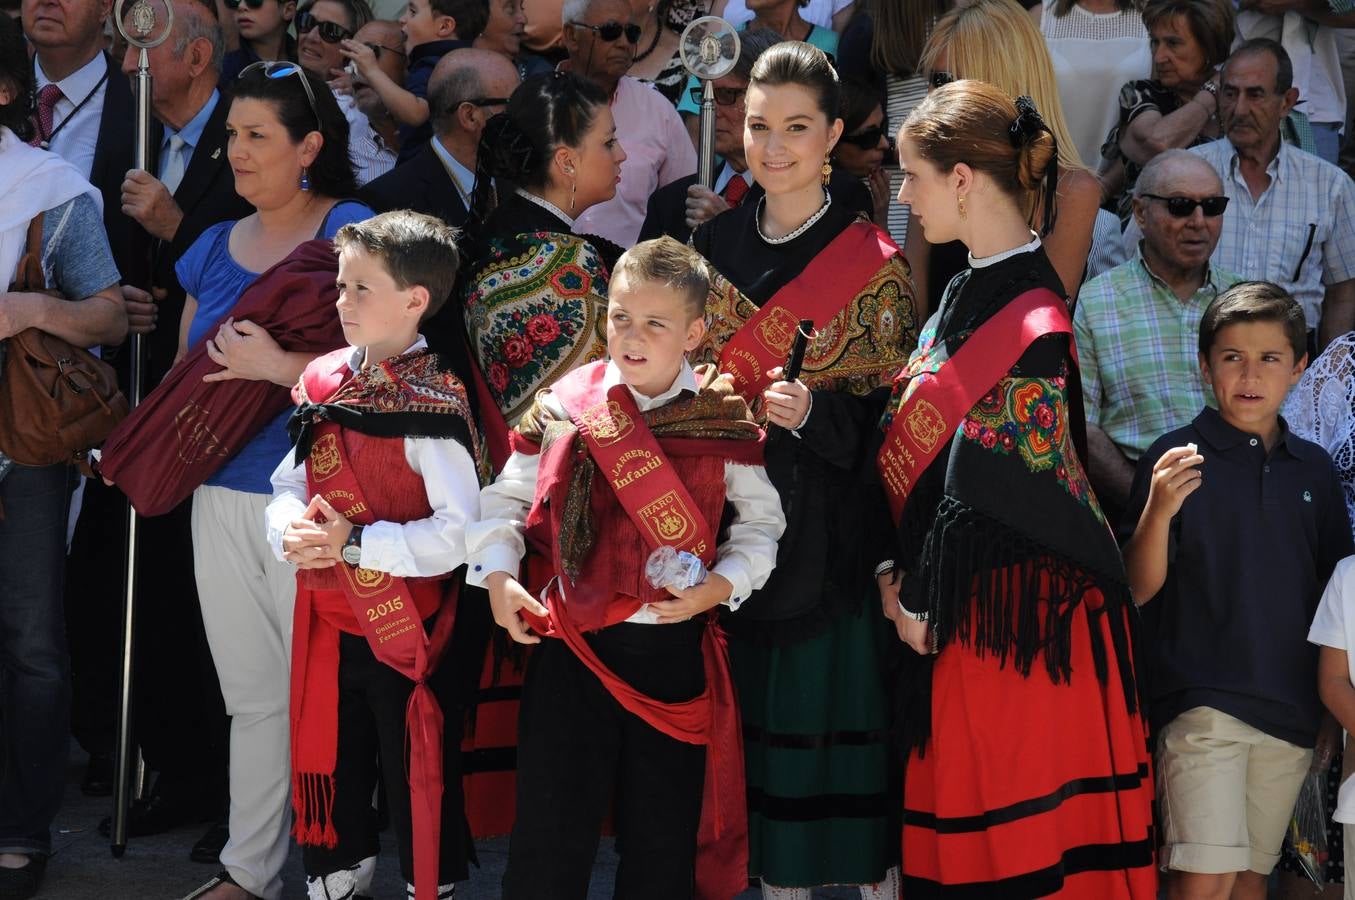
(468, 86)
(262, 26)
(600, 37)
(1137, 326)
(1291, 215)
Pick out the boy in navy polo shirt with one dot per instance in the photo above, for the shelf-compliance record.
(1238, 525)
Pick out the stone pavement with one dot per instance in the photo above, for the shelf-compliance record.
(158, 868)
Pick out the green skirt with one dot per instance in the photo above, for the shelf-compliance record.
(823, 796)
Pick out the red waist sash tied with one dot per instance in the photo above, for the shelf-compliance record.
(389, 612)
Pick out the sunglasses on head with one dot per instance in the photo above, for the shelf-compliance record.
(252, 4)
(724, 96)
(940, 78)
(330, 32)
(868, 138)
(1183, 207)
(610, 31)
(281, 68)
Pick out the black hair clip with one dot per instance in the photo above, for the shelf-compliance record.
(1027, 123)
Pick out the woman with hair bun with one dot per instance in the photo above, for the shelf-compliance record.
(1028, 773)
(807, 649)
(537, 300)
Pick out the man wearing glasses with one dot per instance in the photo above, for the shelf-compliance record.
(600, 36)
(1291, 215)
(373, 134)
(468, 86)
(1137, 326)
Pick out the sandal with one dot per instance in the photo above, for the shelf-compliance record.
(220, 878)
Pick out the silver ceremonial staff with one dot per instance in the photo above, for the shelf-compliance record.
(709, 47)
(138, 33)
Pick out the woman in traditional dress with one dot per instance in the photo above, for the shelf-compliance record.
(806, 649)
(1028, 774)
(537, 293)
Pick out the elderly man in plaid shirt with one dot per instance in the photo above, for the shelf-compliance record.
(1137, 326)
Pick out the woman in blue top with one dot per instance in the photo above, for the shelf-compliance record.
(288, 148)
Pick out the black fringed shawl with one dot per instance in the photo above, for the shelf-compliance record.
(1005, 516)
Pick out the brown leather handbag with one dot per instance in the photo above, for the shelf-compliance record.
(56, 400)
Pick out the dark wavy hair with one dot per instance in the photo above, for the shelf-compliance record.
(331, 175)
(546, 112)
(18, 71)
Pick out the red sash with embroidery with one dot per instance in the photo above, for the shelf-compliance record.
(926, 420)
(763, 342)
(630, 458)
(389, 612)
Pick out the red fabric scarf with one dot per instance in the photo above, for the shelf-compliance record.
(186, 429)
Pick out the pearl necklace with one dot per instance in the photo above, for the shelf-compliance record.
(757, 220)
(545, 204)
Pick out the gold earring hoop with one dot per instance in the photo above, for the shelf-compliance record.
(827, 170)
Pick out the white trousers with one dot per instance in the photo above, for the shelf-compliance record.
(247, 598)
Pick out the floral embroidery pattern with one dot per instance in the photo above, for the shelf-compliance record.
(536, 310)
(858, 350)
(1029, 417)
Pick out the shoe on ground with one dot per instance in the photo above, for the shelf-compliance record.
(22, 883)
(98, 780)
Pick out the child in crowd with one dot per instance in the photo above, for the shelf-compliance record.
(262, 26)
(432, 29)
(1334, 632)
(1238, 525)
(372, 506)
(614, 461)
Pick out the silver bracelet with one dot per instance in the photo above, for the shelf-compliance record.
(886, 566)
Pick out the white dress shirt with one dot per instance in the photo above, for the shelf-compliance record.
(77, 138)
(746, 557)
(371, 157)
(418, 549)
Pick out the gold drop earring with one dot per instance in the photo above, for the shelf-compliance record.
(963, 213)
(827, 170)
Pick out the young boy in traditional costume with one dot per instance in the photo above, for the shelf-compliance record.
(614, 461)
(372, 506)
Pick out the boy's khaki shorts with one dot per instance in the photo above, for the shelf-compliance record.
(1226, 792)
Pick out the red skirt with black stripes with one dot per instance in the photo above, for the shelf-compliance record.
(1029, 788)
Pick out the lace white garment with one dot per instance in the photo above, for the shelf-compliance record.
(1321, 408)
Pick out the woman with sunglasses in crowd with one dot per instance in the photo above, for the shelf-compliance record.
(807, 649)
(261, 27)
(321, 27)
(865, 145)
(1028, 769)
(288, 147)
(996, 41)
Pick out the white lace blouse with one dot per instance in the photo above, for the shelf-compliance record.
(1321, 408)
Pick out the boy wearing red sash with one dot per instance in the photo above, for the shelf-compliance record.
(633, 697)
(372, 505)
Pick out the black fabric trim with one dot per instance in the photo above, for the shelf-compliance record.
(499, 693)
(300, 427)
(819, 806)
(1026, 808)
(489, 759)
(790, 741)
(1042, 882)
